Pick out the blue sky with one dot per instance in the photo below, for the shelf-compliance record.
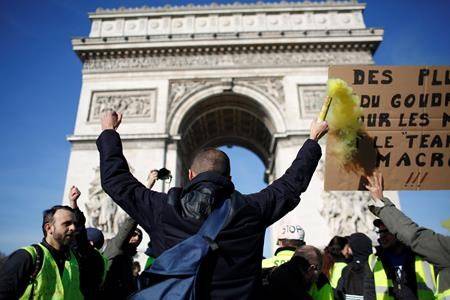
(40, 80)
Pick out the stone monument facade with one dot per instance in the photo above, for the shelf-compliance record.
(191, 76)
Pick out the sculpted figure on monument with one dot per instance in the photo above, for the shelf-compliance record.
(102, 212)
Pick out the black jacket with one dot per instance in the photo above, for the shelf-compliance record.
(404, 287)
(170, 218)
(352, 280)
(90, 261)
(287, 281)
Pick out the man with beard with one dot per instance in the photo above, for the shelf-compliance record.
(48, 270)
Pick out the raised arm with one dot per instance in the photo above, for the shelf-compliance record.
(434, 247)
(114, 246)
(283, 194)
(80, 243)
(137, 201)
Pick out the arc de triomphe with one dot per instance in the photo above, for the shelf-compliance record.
(187, 77)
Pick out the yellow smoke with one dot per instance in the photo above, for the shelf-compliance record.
(343, 120)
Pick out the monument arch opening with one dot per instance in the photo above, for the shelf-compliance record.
(226, 119)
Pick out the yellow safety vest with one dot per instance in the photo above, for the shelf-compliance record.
(336, 272)
(426, 282)
(444, 295)
(279, 259)
(49, 284)
(325, 292)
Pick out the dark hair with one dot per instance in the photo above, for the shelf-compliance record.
(211, 159)
(332, 253)
(48, 215)
(311, 254)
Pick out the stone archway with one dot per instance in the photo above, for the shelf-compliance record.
(226, 119)
(223, 112)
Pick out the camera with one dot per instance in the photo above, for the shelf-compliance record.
(164, 174)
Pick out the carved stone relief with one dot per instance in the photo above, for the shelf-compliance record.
(346, 212)
(102, 212)
(311, 99)
(272, 87)
(138, 104)
(221, 60)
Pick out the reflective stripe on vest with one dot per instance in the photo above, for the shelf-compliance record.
(49, 284)
(281, 257)
(336, 272)
(382, 283)
(444, 295)
(426, 284)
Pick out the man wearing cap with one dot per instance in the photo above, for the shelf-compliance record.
(292, 236)
(351, 282)
(398, 271)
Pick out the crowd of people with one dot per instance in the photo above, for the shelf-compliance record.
(224, 258)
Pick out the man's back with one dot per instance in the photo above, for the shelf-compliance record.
(170, 218)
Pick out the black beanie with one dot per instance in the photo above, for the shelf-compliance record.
(95, 236)
(361, 246)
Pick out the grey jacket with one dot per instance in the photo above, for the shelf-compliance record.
(432, 246)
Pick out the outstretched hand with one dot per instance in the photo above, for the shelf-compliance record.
(375, 185)
(74, 194)
(318, 129)
(152, 178)
(111, 120)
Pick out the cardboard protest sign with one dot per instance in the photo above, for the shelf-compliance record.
(406, 115)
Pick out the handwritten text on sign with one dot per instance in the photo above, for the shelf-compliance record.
(407, 120)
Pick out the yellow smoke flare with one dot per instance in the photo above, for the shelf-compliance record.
(343, 119)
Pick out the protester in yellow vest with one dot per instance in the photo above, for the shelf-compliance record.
(398, 273)
(335, 258)
(427, 245)
(291, 237)
(295, 279)
(56, 274)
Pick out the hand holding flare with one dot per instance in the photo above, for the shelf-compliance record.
(343, 119)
